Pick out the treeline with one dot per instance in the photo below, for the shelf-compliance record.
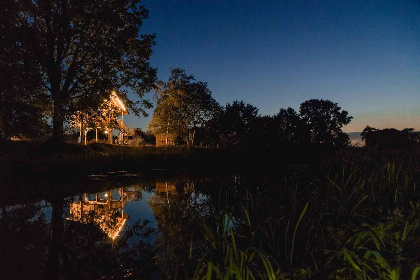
(390, 137)
(187, 112)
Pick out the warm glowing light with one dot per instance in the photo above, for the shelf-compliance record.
(117, 101)
(106, 195)
(115, 234)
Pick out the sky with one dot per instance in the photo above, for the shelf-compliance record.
(363, 55)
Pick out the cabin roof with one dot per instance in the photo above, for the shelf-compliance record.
(117, 102)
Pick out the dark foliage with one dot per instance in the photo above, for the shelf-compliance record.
(23, 100)
(184, 106)
(390, 137)
(78, 51)
(324, 120)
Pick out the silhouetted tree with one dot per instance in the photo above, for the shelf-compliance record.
(183, 106)
(22, 110)
(265, 132)
(23, 242)
(413, 136)
(367, 135)
(290, 127)
(21, 115)
(81, 50)
(236, 122)
(390, 137)
(325, 120)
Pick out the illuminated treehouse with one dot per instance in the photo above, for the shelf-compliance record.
(107, 117)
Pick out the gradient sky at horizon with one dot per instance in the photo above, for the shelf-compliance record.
(364, 55)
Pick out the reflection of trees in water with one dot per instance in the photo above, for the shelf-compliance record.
(80, 245)
(23, 241)
(191, 216)
(77, 247)
(178, 207)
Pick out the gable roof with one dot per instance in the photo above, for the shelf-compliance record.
(117, 102)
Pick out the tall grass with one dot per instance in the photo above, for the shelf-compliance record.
(357, 224)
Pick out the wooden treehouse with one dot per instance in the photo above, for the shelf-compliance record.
(109, 116)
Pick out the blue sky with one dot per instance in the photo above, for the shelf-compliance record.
(364, 55)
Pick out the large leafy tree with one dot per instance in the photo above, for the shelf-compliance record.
(390, 137)
(21, 108)
(236, 122)
(81, 50)
(325, 120)
(183, 106)
(290, 128)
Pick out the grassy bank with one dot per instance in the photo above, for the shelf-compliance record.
(36, 166)
(355, 218)
(35, 160)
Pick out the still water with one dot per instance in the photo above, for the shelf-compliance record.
(138, 229)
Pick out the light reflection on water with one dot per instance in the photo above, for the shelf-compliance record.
(59, 230)
(116, 210)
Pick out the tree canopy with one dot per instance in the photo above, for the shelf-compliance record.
(290, 127)
(21, 108)
(81, 50)
(390, 137)
(325, 120)
(235, 122)
(183, 106)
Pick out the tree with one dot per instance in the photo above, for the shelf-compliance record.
(325, 120)
(183, 106)
(367, 134)
(412, 135)
(390, 137)
(235, 123)
(81, 50)
(290, 128)
(22, 112)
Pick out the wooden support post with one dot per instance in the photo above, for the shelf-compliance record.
(110, 136)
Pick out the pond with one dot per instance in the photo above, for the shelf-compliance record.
(134, 230)
(288, 224)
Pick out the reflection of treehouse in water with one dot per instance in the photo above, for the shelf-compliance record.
(103, 210)
(173, 188)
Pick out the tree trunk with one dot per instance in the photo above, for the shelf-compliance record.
(58, 119)
(110, 135)
(167, 135)
(190, 138)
